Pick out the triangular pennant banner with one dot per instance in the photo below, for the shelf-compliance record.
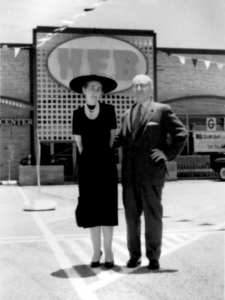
(62, 28)
(194, 60)
(76, 16)
(16, 51)
(97, 4)
(50, 35)
(40, 44)
(82, 14)
(57, 29)
(220, 66)
(207, 63)
(89, 9)
(44, 39)
(79, 15)
(66, 22)
(182, 59)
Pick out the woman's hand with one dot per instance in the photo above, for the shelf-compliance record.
(79, 143)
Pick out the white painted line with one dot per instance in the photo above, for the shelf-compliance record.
(118, 247)
(167, 244)
(124, 250)
(22, 241)
(193, 230)
(85, 291)
(32, 237)
(113, 276)
(173, 248)
(78, 284)
(105, 276)
(177, 238)
(117, 260)
(59, 219)
(78, 250)
(181, 245)
(70, 236)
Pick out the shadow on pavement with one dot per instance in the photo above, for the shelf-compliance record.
(74, 272)
(144, 270)
(84, 271)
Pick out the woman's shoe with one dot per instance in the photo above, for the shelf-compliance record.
(96, 264)
(109, 265)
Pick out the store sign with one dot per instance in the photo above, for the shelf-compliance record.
(211, 124)
(209, 142)
(98, 55)
(15, 122)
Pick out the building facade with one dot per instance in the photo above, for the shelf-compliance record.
(36, 104)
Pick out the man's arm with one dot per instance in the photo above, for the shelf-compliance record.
(112, 137)
(118, 142)
(158, 154)
(177, 132)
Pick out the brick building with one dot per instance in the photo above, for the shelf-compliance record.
(16, 110)
(34, 101)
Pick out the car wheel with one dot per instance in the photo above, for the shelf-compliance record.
(222, 173)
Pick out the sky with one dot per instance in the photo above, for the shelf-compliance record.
(195, 24)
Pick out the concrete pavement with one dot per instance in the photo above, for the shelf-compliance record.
(44, 255)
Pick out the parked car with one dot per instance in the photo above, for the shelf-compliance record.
(217, 163)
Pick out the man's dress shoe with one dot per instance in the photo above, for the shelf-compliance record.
(133, 262)
(154, 264)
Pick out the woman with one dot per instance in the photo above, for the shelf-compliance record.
(94, 128)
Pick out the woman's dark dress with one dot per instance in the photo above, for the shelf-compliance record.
(97, 173)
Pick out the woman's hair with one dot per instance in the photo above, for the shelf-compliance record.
(87, 82)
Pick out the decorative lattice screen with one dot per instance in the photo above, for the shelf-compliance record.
(55, 103)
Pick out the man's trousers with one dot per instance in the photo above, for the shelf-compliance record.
(146, 198)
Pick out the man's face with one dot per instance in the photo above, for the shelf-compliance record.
(142, 88)
(93, 92)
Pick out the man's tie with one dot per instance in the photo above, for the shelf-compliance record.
(136, 119)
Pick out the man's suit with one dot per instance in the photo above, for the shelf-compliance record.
(143, 178)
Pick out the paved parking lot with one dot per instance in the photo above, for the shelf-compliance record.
(44, 255)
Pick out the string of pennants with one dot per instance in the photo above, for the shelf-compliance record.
(207, 63)
(65, 24)
(16, 103)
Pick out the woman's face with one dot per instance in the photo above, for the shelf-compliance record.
(92, 92)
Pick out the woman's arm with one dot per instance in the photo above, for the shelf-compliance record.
(78, 140)
(112, 137)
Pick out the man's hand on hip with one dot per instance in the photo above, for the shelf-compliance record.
(157, 155)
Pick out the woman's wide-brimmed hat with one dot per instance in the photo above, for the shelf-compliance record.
(108, 84)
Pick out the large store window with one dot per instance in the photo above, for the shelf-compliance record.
(59, 154)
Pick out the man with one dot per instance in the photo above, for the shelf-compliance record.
(144, 132)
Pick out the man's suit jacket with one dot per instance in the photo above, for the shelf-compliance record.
(158, 121)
